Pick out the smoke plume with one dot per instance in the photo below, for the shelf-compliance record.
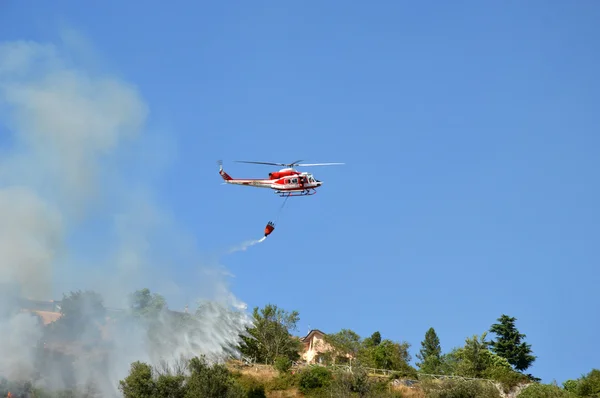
(245, 245)
(75, 213)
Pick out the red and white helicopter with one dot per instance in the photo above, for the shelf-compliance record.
(286, 182)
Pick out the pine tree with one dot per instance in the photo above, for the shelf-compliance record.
(509, 343)
(430, 354)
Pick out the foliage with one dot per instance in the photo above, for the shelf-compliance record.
(471, 360)
(282, 364)
(144, 304)
(269, 340)
(314, 377)
(358, 383)
(508, 377)
(373, 340)
(460, 389)
(270, 337)
(390, 355)
(203, 380)
(345, 342)
(251, 386)
(545, 391)
(82, 312)
(589, 384)
(282, 382)
(211, 381)
(139, 383)
(570, 385)
(430, 354)
(371, 352)
(475, 360)
(509, 345)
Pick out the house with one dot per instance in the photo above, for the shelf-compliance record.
(315, 347)
(317, 350)
(46, 317)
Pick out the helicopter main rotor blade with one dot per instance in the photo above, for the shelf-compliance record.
(289, 164)
(269, 163)
(317, 164)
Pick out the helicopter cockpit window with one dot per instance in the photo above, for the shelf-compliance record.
(294, 180)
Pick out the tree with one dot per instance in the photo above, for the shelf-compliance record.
(211, 381)
(509, 345)
(373, 341)
(139, 383)
(589, 384)
(471, 360)
(345, 342)
(430, 354)
(81, 314)
(144, 304)
(391, 355)
(203, 380)
(270, 337)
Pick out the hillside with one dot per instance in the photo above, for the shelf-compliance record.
(82, 346)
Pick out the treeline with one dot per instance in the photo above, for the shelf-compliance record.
(501, 362)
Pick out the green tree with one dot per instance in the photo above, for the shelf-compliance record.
(391, 355)
(459, 389)
(203, 381)
(430, 354)
(509, 343)
(471, 360)
(589, 384)
(81, 314)
(206, 381)
(536, 390)
(139, 383)
(270, 337)
(144, 304)
(373, 341)
(345, 342)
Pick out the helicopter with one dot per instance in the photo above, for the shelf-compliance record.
(286, 182)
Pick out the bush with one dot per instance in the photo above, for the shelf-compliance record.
(570, 385)
(314, 377)
(283, 364)
(589, 385)
(507, 377)
(282, 382)
(460, 389)
(252, 387)
(545, 391)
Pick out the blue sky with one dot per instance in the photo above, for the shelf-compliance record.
(469, 133)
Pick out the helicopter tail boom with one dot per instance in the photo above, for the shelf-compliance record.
(259, 183)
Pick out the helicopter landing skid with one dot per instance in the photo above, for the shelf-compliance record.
(287, 194)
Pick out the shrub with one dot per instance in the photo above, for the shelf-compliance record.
(314, 377)
(570, 385)
(282, 382)
(283, 364)
(460, 389)
(252, 387)
(545, 391)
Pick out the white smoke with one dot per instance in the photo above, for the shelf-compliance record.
(245, 245)
(30, 237)
(66, 181)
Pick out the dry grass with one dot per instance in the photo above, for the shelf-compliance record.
(408, 392)
(291, 393)
(262, 373)
(266, 373)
